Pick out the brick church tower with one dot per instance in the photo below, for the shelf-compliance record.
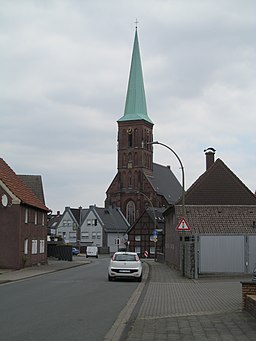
(136, 184)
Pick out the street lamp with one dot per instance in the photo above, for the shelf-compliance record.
(154, 213)
(183, 195)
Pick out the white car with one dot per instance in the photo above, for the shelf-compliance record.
(125, 265)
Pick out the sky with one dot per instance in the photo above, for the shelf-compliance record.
(64, 68)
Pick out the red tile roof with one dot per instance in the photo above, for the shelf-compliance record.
(219, 219)
(18, 188)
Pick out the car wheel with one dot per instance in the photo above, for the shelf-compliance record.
(139, 279)
(110, 278)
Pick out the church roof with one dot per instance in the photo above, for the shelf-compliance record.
(165, 183)
(135, 106)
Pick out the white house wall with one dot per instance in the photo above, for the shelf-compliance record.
(112, 242)
(89, 231)
(67, 229)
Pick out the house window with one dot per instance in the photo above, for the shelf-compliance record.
(26, 246)
(152, 250)
(72, 236)
(64, 222)
(89, 222)
(98, 235)
(35, 217)
(130, 212)
(117, 241)
(85, 235)
(26, 215)
(137, 238)
(93, 235)
(69, 222)
(43, 219)
(42, 246)
(137, 249)
(95, 222)
(34, 247)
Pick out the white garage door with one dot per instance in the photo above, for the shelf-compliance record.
(252, 253)
(221, 254)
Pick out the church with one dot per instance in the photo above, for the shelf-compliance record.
(139, 182)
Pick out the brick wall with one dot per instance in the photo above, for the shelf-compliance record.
(250, 304)
(248, 288)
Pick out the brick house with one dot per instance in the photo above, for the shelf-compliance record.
(221, 213)
(23, 221)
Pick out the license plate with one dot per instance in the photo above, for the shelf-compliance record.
(124, 271)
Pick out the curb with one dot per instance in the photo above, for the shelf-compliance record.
(25, 274)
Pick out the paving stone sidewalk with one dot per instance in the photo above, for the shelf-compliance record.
(176, 308)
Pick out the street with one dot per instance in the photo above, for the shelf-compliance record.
(74, 304)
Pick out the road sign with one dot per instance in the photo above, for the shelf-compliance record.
(146, 254)
(183, 225)
(155, 232)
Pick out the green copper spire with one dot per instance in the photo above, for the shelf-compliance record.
(135, 105)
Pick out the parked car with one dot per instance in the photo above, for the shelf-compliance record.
(92, 251)
(125, 265)
(75, 251)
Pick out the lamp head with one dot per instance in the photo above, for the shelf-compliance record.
(153, 142)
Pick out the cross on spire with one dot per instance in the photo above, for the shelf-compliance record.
(136, 23)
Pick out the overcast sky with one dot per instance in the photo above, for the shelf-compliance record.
(64, 67)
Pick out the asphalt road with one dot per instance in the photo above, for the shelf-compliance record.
(75, 304)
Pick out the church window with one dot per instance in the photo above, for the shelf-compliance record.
(136, 142)
(129, 140)
(136, 159)
(130, 212)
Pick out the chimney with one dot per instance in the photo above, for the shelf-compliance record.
(209, 152)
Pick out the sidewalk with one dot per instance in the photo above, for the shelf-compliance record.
(172, 307)
(53, 265)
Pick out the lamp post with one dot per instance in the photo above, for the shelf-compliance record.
(139, 192)
(183, 196)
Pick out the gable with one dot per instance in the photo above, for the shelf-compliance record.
(219, 186)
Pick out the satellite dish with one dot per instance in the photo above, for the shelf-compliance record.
(4, 200)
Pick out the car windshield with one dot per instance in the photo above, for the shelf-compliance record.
(126, 257)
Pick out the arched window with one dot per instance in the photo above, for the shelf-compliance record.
(130, 212)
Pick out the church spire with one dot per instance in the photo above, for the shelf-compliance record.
(135, 105)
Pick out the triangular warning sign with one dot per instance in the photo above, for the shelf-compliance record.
(183, 225)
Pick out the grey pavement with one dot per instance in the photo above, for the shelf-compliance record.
(175, 308)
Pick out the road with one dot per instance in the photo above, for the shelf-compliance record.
(74, 304)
